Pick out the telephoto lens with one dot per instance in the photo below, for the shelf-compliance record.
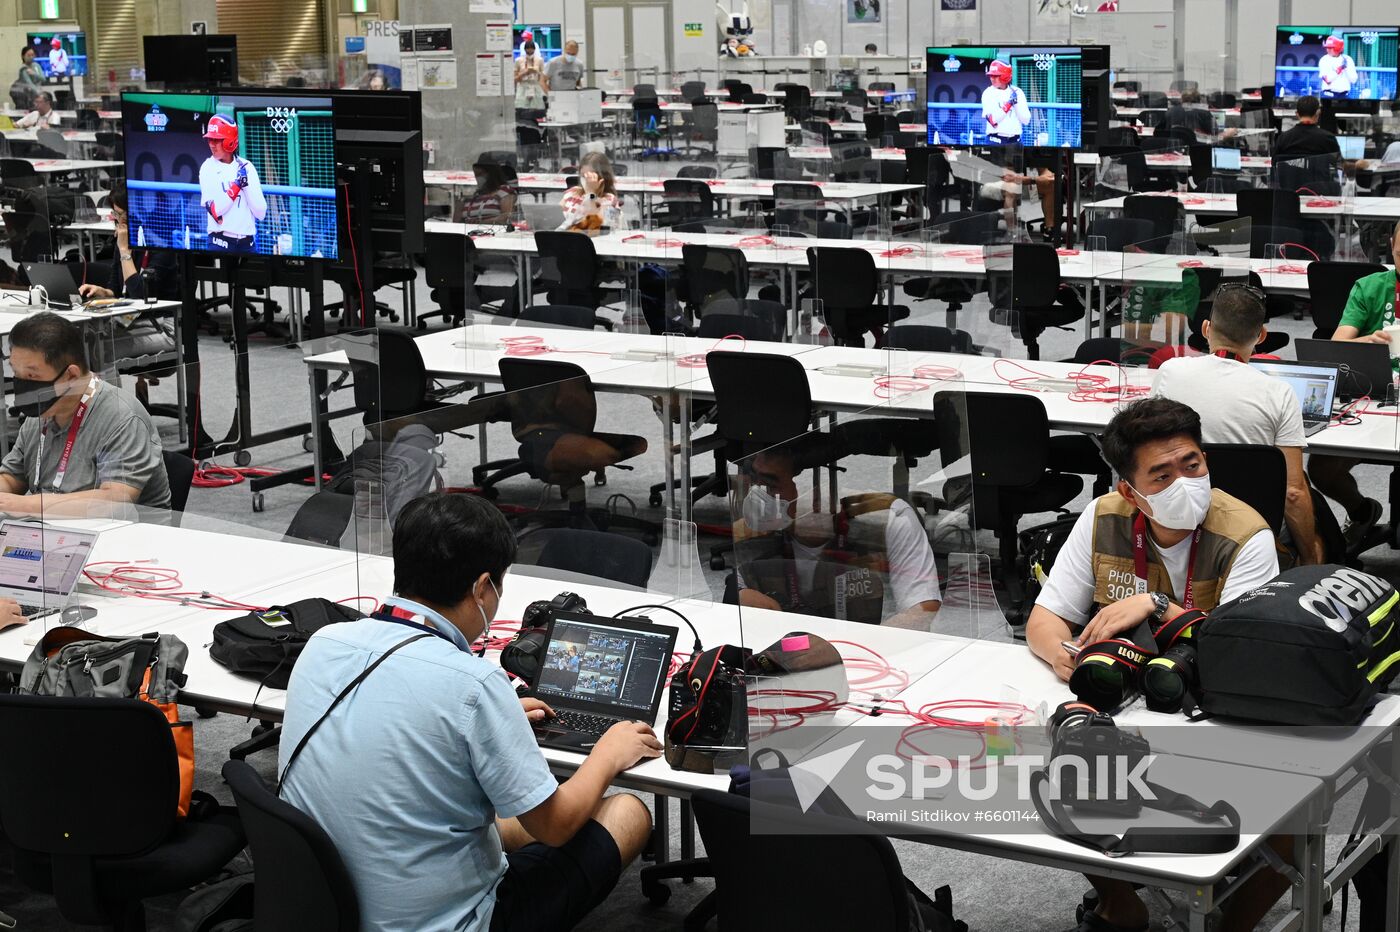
(1167, 679)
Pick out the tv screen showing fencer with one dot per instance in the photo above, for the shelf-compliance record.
(238, 173)
(1005, 95)
(1336, 62)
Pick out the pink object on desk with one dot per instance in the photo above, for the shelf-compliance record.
(795, 642)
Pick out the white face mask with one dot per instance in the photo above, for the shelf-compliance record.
(486, 622)
(764, 512)
(568, 58)
(1182, 505)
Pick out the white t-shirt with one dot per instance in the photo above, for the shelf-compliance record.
(1069, 592)
(1237, 403)
(1338, 73)
(994, 114)
(913, 572)
(238, 217)
(58, 61)
(35, 119)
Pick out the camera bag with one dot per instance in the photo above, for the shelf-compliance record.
(1311, 647)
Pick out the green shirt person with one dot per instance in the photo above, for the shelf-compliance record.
(1372, 303)
(29, 72)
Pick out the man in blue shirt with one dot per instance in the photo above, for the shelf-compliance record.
(427, 775)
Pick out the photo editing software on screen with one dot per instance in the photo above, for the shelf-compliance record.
(595, 662)
(238, 173)
(1336, 62)
(1005, 95)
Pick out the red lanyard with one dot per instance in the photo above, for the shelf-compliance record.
(78, 416)
(1140, 559)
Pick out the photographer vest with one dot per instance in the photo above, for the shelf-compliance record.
(1229, 524)
(851, 571)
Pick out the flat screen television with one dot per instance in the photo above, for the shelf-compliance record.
(1335, 62)
(245, 172)
(1027, 95)
(66, 59)
(195, 61)
(549, 38)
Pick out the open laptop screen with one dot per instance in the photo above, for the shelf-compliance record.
(1225, 158)
(39, 563)
(600, 662)
(1315, 386)
(1353, 147)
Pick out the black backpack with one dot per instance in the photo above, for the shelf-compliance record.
(1311, 647)
(266, 644)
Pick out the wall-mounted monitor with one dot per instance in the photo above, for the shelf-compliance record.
(1336, 62)
(62, 53)
(195, 61)
(1005, 95)
(250, 172)
(549, 38)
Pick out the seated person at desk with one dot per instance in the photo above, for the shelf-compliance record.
(84, 442)
(593, 203)
(493, 201)
(1240, 404)
(1307, 137)
(1189, 112)
(1205, 549)
(1369, 310)
(462, 825)
(793, 559)
(132, 268)
(43, 113)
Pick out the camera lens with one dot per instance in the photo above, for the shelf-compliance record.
(1101, 684)
(1167, 679)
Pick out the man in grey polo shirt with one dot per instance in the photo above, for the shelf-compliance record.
(85, 443)
(564, 72)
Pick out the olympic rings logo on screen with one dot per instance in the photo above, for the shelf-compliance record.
(1043, 61)
(281, 120)
(1369, 38)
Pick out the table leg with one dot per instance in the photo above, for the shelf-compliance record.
(180, 377)
(668, 441)
(687, 831)
(315, 427)
(1104, 326)
(686, 506)
(1307, 894)
(1392, 873)
(481, 434)
(661, 830)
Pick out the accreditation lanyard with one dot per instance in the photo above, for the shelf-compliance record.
(1140, 559)
(73, 428)
(796, 602)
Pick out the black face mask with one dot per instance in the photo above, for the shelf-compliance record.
(33, 396)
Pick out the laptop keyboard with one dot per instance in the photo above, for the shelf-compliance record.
(584, 723)
(30, 611)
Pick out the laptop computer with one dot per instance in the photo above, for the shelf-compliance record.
(40, 565)
(1353, 147)
(57, 281)
(1315, 385)
(1364, 367)
(599, 671)
(1225, 158)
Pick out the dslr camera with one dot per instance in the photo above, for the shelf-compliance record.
(1106, 755)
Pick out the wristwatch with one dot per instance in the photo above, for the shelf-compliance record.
(1160, 603)
(125, 256)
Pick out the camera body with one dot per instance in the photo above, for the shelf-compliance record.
(537, 614)
(521, 657)
(1090, 758)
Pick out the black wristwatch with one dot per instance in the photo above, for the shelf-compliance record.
(1160, 603)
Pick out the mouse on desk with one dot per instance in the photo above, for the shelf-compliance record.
(77, 614)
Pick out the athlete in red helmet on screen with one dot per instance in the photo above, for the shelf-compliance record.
(1004, 107)
(230, 190)
(1336, 69)
(58, 57)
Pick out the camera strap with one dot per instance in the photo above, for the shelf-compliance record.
(1215, 839)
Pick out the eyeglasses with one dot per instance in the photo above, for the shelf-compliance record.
(1255, 293)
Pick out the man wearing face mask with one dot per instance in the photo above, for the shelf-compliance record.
(564, 72)
(427, 775)
(85, 443)
(870, 562)
(1162, 542)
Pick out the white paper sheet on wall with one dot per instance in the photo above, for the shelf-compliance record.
(437, 72)
(504, 7)
(498, 37)
(488, 75)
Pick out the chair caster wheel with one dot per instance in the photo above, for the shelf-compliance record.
(422, 325)
(657, 894)
(306, 443)
(654, 500)
(242, 458)
(490, 493)
(717, 563)
(258, 502)
(600, 478)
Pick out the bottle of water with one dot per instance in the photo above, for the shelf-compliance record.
(368, 531)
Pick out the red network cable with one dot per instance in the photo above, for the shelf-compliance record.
(1089, 386)
(144, 579)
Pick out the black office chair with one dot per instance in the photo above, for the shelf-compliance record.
(1164, 213)
(1134, 162)
(1027, 296)
(691, 90)
(697, 171)
(651, 128)
(847, 283)
(564, 315)
(102, 843)
(179, 471)
(1182, 136)
(923, 338)
(569, 268)
(800, 207)
(550, 400)
(300, 882)
(19, 173)
(1329, 286)
(1118, 233)
(529, 143)
(1274, 341)
(685, 200)
(1007, 438)
(713, 272)
(700, 129)
(449, 266)
(394, 388)
(1255, 474)
(619, 559)
(748, 318)
(961, 227)
(746, 865)
(1278, 242)
(1269, 206)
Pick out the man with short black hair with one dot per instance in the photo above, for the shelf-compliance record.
(427, 776)
(42, 115)
(1239, 404)
(1307, 137)
(1200, 548)
(84, 442)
